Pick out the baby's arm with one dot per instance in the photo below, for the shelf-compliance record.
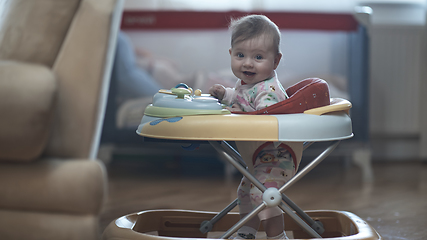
(222, 93)
(218, 91)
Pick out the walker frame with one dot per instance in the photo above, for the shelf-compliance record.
(336, 126)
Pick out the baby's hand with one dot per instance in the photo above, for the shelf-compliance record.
(234, 108)
(217, 91)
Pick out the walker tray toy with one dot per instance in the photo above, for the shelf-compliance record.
(309, 115)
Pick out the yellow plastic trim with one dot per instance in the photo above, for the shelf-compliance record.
(232, 127)
(337, 104)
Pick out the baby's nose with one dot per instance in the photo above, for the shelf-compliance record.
(248, 63)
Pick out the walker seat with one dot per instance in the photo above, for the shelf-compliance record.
(308, 115)
(304, 95)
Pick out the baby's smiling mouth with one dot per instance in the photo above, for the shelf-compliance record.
(248, 73)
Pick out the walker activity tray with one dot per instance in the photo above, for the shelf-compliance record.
(179, 115)
(308, 115)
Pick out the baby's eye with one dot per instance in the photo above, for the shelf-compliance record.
(240, 55)
(258, 57)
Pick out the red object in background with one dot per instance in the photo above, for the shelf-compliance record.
(179, 20)
(306, 94)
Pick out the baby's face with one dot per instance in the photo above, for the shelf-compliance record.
(254, 60)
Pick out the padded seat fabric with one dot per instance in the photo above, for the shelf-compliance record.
(47, 225)
(78, 186)
(27, 93)
(304, 95)
(28, 33)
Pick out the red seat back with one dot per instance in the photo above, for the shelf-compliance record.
(306, 94)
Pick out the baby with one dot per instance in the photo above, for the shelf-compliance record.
(255, 54)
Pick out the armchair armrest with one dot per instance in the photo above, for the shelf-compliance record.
(27, 93)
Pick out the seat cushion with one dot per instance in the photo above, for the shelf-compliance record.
(31, 225)
(73, 186)
(306, 94)
(27, 93)
(33, 31)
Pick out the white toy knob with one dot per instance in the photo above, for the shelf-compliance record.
(272, 197)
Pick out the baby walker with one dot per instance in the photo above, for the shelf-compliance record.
(309, 115)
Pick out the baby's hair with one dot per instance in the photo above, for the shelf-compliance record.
(252, 26)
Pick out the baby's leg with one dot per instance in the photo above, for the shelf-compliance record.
(274, 227)
(249, 230)
(271, 218)
(274, 165)
(250, 197)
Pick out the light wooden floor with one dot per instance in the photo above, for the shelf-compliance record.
(395, 203)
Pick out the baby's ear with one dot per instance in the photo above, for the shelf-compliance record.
(277, 60)
(229, 50)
